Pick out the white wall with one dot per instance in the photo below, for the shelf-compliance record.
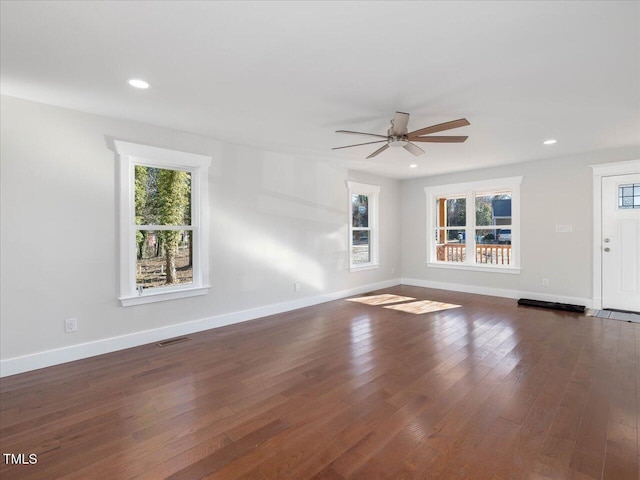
(553, 192)
(276, 219)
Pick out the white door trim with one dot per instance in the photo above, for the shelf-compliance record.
(599, 171)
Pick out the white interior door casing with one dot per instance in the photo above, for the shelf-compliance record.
(620, 246)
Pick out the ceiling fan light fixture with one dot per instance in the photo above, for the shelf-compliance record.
(397, 141)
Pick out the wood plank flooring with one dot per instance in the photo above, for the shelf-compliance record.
(344, 390)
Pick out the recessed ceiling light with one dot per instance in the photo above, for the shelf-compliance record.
(413, 165)
(136, 82)
(551, 141)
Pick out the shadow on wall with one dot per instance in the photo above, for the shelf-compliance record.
(250, 242)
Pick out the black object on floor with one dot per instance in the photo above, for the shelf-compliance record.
(567, 307)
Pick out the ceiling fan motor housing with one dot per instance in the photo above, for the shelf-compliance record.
(397, 141)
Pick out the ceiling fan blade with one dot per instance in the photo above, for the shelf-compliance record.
(379, 151)
(439, 128)
(416, 150)
(361, 133)
(440, 139)
(358, 144)
(400, 122)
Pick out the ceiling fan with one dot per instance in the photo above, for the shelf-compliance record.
(397, 135)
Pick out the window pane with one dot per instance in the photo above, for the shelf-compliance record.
(456, 212)
(360, 247)
(451, 245)
(492, 246)
(164, 258)
(493, 208)
(456, 236)
(360, 210)
(162, 196)
(494, 236)
(486, 236)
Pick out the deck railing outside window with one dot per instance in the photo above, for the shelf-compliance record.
(493, 254)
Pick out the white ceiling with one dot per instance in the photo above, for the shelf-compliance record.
(288, 74)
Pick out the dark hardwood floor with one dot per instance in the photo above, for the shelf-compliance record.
(344, 391)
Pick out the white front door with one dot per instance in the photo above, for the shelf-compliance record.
(621, 242)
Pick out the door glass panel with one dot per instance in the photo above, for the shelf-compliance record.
(629, 196)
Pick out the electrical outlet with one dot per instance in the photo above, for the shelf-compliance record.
(296, 287)
(545, 282)
(71, 325)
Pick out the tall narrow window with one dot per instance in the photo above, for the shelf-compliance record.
(163, 224)
(475, 225)
(360, 230)
(363, 225)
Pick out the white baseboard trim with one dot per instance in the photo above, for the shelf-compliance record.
(34, 361)
(497, 292)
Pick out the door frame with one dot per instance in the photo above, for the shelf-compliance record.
(599, 171)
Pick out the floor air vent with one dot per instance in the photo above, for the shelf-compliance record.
(172, 341)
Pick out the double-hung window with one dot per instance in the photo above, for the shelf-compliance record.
(163, 224)
(363, 226)
(475, 225)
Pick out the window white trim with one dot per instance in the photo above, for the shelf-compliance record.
(130, 155)
(469, 190)
(474, 267)
(373, 192)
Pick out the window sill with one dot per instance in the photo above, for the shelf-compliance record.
(359, 268)
(152, 297)
(475, 268)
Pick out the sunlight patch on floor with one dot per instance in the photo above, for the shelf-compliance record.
(423, 306)
(380, 299)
